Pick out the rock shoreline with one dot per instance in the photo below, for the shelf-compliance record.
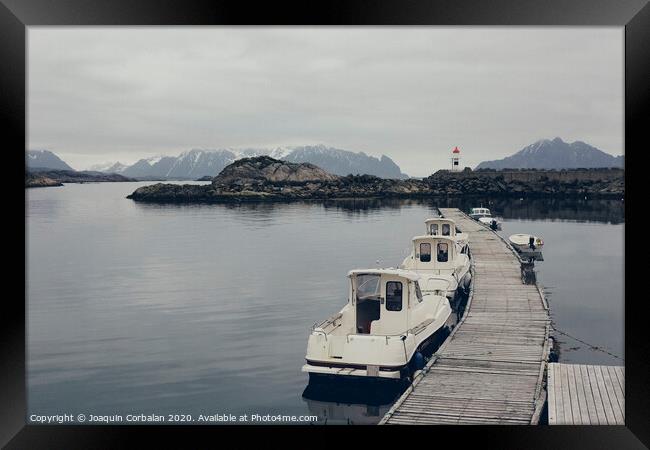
(52, 177)
(264, 179)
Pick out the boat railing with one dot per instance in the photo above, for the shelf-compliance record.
(320, 326)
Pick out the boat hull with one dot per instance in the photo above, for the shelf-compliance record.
(324, 370)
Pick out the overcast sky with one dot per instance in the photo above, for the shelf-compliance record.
(412, 93)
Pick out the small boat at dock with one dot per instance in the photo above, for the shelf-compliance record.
(477, 213)
(439, 226)
(484, 216)
(526, 242)
(381, 331)
(442, 266)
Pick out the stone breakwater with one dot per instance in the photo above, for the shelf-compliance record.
(574, 182)
(266, 179)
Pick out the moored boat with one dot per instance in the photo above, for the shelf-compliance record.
(443, 268)
(491, 222)
(439, 226)
(477, 213)
(526, 242)
(381, 330)
(484, 215)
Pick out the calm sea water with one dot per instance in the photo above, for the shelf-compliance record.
(206, 309)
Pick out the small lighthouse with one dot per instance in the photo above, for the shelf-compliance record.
(455, 159)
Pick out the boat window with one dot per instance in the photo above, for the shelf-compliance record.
(425, 252)
(394, 296)
(445, 229)
(443, 252)
(434, 229)
(368, 287)
(418, 292)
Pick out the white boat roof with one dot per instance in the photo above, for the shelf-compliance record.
(396, 272)
(438, 219)
(521, 238)
(429, 236)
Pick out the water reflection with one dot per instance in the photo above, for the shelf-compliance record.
(571, 209)
(352, 402)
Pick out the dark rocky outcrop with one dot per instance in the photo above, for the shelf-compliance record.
(572, 182)
(37, 180)
(267, 179)
(40, 177)
(264, 169)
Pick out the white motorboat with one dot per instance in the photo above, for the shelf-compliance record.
(379, 333)
(484, 216)
(477, 213)
(439, 226)
(526, 242)
(491, 222)
(443, 268)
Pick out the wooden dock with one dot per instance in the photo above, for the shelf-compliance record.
(491, 368)
(581, 394)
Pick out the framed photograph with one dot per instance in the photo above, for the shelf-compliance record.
(338, 214)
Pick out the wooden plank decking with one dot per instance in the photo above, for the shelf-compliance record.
(490, 370)
(581, 394)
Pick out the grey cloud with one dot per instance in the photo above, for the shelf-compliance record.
(413, 93)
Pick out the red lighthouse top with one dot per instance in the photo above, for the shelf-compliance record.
(456, 150)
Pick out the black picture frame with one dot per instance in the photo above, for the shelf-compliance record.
(16, 15)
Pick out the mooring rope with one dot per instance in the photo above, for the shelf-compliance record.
(591, 346)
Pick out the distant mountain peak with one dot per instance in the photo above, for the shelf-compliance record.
(45, 159)
(108, 167)
(555, 154)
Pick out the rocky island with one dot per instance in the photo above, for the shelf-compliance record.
(37, 180)
(267, 179)
(52, 177)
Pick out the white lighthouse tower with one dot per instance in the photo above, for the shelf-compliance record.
(455, 159)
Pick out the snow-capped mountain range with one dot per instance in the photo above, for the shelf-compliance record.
(109, 167)
(198, 163)
(556, 154)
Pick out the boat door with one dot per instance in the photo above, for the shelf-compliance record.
(394, 308)
(367, 294)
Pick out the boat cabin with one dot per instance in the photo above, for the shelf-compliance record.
(433, 253)
(380, 299)
(437, 226)
(480, 212)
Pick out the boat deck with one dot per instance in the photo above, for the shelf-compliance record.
(490, 370)
(581, 394)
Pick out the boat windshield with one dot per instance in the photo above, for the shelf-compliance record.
(418, 291)
(368, 287)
